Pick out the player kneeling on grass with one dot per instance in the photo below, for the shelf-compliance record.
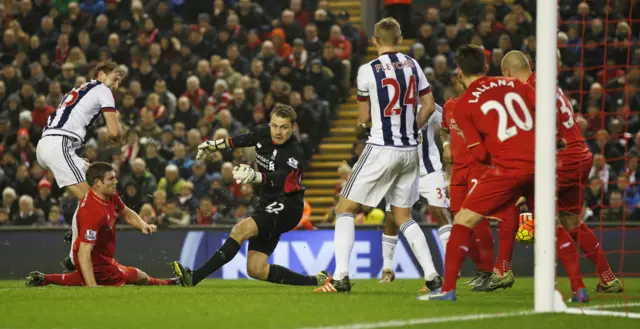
(96, 243)
(281, 203)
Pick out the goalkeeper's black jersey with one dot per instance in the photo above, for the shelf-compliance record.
(280, 165)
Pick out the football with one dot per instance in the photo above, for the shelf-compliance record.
(525, 229)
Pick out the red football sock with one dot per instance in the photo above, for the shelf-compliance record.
(568, 255)
(506, 236)
(474, 253)
(456, 252)
(161, 282)
(484, 241)
(588, 243)
(67, 279)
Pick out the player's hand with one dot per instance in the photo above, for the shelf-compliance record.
(244, 174)
(205, 148)
(149, 229)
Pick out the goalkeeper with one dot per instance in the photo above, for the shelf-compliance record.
(279, 158)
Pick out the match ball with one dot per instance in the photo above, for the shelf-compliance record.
(525, 229)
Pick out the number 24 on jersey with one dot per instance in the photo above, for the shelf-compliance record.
(394, 107)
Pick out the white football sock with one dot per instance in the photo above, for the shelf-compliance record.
(343, 239)
(444, 232)
(389, 243)
(418, 243)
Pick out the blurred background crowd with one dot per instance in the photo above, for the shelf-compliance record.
(207, 69)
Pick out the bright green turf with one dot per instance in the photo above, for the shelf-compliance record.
(257, 305)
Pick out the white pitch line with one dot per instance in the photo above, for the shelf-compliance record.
(413, 322)
(587, 310)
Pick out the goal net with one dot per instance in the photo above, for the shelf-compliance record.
(600, 75)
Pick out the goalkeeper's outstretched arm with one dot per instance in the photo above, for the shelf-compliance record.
(246, 140)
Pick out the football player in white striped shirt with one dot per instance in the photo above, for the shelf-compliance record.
(66, 129)
(432, 187)
(389, 89)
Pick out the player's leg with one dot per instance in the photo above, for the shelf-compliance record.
(240, 232)
(369, 182)
(259, 268)
(434, 188)
(570, 207)
(37, 279)
(568, 256)
(140, 278)
(490, 198)
(389, 242)
(78, 190)
(401, 196)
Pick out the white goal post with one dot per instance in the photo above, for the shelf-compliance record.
(545, 167)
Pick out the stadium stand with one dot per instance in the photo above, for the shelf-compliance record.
(198, 70)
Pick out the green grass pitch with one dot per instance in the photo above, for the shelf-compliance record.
(252, 304)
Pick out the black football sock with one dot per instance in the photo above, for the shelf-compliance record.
(224, 255)
(282, 275)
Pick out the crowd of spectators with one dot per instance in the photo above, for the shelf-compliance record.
(600, 74)
(194, 70)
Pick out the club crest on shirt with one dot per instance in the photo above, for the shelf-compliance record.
(91, 235)
(258, 145)
(273, 156)
(293, 163)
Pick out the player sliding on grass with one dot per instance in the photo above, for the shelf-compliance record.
(574, 165)
(279, 157)
(96, 241)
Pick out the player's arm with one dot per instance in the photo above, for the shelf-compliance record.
(446, 147)
(89, 220)
(132, 218)
(426, 99)
(246, 140)
(364, 106)
(108, 109)
(86, 266)
(471, 135)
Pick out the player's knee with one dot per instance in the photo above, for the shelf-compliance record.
(569, 220)
(243, 230)
(441, 215)
(346, 205)
(467, 218)
(258, 270)
(142, 278)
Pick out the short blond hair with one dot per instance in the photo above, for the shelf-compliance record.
(387, 31)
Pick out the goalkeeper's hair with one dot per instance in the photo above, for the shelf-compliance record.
(471, 60)
(285, 112)
(97, 170)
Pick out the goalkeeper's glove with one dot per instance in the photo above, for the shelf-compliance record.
(244, 174)
(209, 147)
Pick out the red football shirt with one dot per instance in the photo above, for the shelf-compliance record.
(499, 112)
(576, 149)
(462, 157)
(96, 221)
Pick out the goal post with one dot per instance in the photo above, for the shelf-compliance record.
(545, 159)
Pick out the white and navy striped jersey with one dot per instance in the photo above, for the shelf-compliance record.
(79, 109)
(429, 153)
(392, 83)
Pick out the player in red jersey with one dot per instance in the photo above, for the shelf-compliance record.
(496, 118)
(94, 248)
(466, 174)
(573, 163)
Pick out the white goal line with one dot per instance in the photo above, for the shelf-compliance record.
(587, 310)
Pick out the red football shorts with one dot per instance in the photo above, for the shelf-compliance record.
(496, 194)
(463, 180)
(113, 275)
(570, 186)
